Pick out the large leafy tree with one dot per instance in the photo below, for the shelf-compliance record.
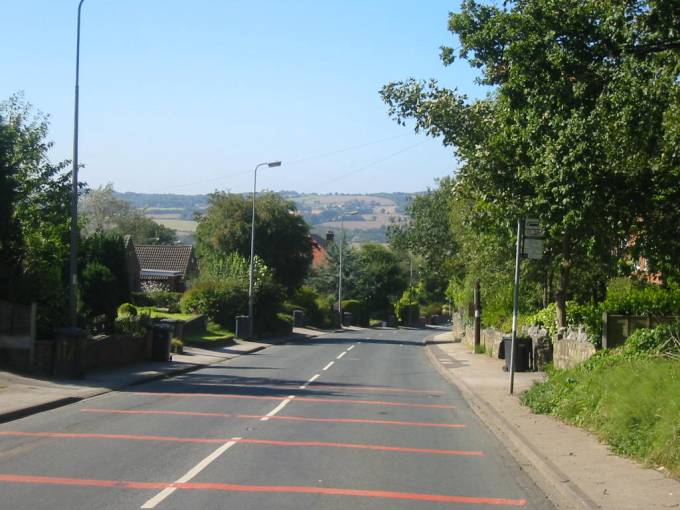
(380, 279)
(573, 130)
(282, 237)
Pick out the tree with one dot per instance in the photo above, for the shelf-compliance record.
(380, 279)
(34, 215)
(324, 279)
(102, 211)
(572, 131)
(282, 237)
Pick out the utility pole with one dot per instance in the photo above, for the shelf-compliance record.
(410, 291)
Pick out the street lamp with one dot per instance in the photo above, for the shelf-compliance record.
(251, 297)
(73, 262)
(342, 241)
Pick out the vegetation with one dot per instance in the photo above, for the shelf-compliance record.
(627, 396)
(282, 236)
(582, 138)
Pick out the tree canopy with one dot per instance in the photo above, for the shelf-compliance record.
(577, 130)
(282, 238)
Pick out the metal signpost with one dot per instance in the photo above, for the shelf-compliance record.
(529, 245)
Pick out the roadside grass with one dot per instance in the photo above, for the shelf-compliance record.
(155, 313)
(214, 333)
(480, 349)
(632, 403)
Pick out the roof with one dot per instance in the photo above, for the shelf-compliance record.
(319, 254)
(165, 257)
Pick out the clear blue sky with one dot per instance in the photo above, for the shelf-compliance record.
(187, 96)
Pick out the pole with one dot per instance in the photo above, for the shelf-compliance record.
(478, 318)
(251, 297)
(342, 240)
(515, 307)
(73, 260)
(410, 290)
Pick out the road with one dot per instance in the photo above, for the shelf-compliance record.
(358, 420)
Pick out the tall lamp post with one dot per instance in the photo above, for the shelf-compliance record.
(251, 297)
(73, 261)
(342, 241)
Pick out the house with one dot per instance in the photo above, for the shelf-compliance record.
(171, 265)
(319, 253)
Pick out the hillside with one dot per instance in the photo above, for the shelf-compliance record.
(322, 211)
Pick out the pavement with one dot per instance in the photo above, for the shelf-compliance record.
(567, 463)
(23, 395)
(355, 419)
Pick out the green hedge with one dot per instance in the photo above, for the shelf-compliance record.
(359, 311)
(158, 299)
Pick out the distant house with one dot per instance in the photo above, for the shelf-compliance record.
(319, 253)
(168, 264)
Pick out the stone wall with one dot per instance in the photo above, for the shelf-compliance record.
(572, 348)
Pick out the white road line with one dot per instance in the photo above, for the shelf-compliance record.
(311, 380)
(277, 408)
(328, 366)
(350, 348)
(341, 355)
(190, 474)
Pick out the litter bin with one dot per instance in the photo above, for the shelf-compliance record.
(523, 348)
(346, 318)
(299, 318)
(160, 344)
(243, 327)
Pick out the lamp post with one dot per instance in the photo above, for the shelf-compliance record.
(251, 296)
(73, 261)
(342, 241)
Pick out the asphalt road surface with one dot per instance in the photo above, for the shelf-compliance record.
(358, 420)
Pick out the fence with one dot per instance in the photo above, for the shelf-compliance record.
(616, 328)
(17, 327)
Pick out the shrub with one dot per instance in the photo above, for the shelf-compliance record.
(221, 303)
(431, 309)
(134, 325)
(176, 346)
(359, 311)
(98, 291)
(307, 300)
(158, 299)
(639, 299)
(127, 310)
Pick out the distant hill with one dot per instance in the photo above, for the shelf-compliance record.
(322, 211)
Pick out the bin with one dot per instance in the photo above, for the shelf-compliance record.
(346, 318)
(523, 347)
(160, 344)
(299, 318)
(243, 327)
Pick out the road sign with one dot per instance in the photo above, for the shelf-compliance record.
(533, 248)
(532, 228)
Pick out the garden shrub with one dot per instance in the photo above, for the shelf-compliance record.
(127, 310)
(98, 291)
(359, 311)
(134, 325)
(221, 303)
(158, 299)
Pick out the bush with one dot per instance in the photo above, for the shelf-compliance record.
(127, 310)
(629, 298)
(221, 303)
(307, 300)
(431, 309)
(176, 346)
(134, 325)
(98, 291)
(158, 299)
(359, 311)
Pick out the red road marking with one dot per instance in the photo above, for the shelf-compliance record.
(150, 411)
(213, 440)
(317, 385)
(280, 489)
(360, 420)
(279, 417)
(361, 447)
(297, 399)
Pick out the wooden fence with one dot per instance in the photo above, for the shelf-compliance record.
(616, 328)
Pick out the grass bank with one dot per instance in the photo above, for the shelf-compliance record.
(629, 397)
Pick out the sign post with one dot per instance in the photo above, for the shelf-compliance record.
(529, 245)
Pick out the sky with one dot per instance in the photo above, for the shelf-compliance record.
(188, 96)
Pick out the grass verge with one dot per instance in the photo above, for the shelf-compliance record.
(214, 333)
(154, 313)
(629, 399)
